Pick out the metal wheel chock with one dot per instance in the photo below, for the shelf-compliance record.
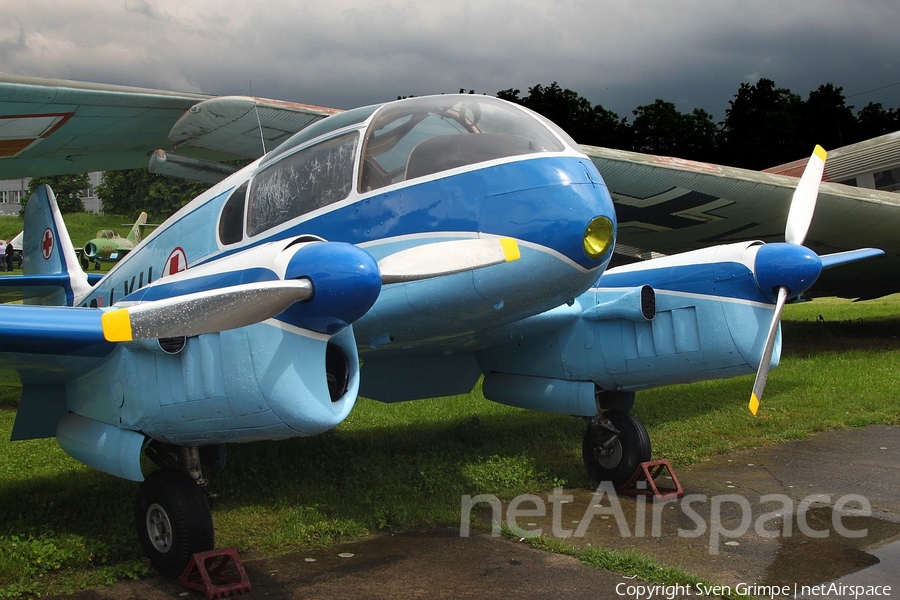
(216, 573)
(643, 482)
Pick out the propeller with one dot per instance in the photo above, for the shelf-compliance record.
(341, 280)
(789, 267)
(446, 258)
(204, 312)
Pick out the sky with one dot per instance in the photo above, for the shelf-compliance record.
(346, 53)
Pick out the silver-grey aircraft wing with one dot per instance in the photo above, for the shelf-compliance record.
(54, 127)
(670, 205)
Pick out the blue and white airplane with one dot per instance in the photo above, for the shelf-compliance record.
(432, 240)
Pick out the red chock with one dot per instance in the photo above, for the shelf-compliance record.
(217, 573)
(643, 482)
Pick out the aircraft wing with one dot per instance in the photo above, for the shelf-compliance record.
(670, 205)
(53, 127)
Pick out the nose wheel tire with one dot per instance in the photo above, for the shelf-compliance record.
(173, 520)
(614, 447)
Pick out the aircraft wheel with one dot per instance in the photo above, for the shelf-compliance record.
(611, 457)
(173, 520)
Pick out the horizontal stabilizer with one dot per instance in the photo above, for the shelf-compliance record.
(52, 330)
(36, 289)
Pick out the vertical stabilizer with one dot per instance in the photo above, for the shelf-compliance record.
(137, 232)
(47, 250)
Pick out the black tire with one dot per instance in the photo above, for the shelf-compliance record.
(173, 520)
(626, 454)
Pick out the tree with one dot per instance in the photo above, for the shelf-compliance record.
(762, 128)
(67, 188)
(564, 107)
(586, 124)
(873, 120)
(827, 120)
(131, 191)
(659, 128)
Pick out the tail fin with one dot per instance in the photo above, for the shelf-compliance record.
(137, 232)
(48, 253)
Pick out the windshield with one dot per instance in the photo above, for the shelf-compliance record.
(423, 136)
(302, 182)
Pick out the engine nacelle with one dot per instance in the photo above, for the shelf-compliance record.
(541, 393)
(104, 447)
(704, 318)
(266, 381)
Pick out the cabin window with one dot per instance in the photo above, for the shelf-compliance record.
(428, 135)
(302, 182)
(888, 181)
(231, 221)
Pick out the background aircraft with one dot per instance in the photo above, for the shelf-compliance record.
(235, 321)
(110, 246)
(670, 205)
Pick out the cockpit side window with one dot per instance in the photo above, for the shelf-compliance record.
(302, 182)
(423, 136)
(231, 221)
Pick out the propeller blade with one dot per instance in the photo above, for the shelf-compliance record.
(204, 312)
(803, 203)
(762, 374)
(446, 258)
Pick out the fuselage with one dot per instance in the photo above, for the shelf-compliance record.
(394, 176)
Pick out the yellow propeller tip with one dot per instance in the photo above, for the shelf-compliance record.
(820, 152)
(510, 249)
(116, 325)
(754, 404)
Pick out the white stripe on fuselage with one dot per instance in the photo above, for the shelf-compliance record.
(692, 296)
(449, 235)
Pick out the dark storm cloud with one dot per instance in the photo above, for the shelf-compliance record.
(346, 53)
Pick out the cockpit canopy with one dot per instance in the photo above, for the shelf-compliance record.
(424, 136)
(404, 140)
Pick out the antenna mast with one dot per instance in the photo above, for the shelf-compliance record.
(258, 121)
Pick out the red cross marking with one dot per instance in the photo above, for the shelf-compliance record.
(176, 262)
(47, 243)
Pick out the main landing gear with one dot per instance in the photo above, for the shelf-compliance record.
(614, 446)
(172, 512)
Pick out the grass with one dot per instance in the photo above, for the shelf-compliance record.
(64, 526)
(82, 227)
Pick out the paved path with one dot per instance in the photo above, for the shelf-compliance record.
(738, 524)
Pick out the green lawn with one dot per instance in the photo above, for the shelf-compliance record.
(64, 526)
(82, 227)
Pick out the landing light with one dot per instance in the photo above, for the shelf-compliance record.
(598, 237)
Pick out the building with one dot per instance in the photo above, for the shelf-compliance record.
(14, 193)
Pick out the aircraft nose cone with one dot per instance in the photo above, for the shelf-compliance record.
(790, 265)
(90, 250)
